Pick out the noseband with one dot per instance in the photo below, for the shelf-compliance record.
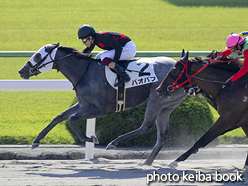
(35, 69)
(186, 69)
(175, 85)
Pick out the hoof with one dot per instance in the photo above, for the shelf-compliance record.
(35, 145)
(146, 163)
(173, 164)
(94, 139)
(110, 147)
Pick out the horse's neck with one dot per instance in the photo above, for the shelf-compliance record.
(73, 69)
(209, 73)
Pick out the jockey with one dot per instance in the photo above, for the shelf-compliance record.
(236, 43)
(117, 47)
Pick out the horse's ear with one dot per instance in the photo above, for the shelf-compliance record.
(184, 59)
(187, 56)
(183, 53)
(49, 48)
(56, 45)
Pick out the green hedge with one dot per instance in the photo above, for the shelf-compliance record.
(188, 122)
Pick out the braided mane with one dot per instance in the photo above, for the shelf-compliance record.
(231, 64)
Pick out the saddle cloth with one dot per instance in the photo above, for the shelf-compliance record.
(137, 79)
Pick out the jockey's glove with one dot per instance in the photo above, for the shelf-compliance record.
(228, 83)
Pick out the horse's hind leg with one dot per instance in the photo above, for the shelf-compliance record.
(162, 123)
(147, 126)
(61, 117)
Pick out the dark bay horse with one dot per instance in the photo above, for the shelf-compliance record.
(96, 97)
(232, 102)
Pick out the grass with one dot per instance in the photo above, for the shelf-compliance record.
(25, 114)
(154, 25)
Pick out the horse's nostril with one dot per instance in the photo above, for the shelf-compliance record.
(20, 71)
(159, 90)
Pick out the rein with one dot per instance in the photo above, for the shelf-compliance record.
(54, 61)
(71, 54)
(217, 61)
(221, 82)
(185, 68)
(81, 77)
(189, 77)
(38, 66)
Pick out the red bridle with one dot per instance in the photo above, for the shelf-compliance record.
(189, 77)
(185, 68)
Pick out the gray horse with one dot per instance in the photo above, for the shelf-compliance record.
(96, 97)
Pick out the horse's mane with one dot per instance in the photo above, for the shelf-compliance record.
(231, 64)
(76, 53)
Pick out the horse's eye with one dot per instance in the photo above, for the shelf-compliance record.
(174, 70)
(37, 57)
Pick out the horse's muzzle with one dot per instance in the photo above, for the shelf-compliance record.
(170, 89)
(159, 91)
(23, 74)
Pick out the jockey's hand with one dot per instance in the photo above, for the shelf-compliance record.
(111, 65)
(228, 83)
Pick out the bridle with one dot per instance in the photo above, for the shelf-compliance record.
(175, 84)
(34, 70)
(186, 69)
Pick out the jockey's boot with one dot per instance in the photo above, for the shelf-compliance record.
(124, 77)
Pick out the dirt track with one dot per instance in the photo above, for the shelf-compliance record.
(221, 162)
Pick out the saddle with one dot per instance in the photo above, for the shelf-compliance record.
(140, 71)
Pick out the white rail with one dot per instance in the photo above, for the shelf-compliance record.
(35, 85)
(50, 85)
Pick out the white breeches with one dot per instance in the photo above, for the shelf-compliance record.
(128, 52)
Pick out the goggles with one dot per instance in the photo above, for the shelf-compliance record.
(233, 49)
(85, 40)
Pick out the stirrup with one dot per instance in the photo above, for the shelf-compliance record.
(121, 81)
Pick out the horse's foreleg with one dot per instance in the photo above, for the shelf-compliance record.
(162, 123)
(62, 117)
(244, 125)
(215, 130)
(245, 129)
(89, 112)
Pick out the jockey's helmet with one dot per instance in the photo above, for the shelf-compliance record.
(85, 31)
(233, 40)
